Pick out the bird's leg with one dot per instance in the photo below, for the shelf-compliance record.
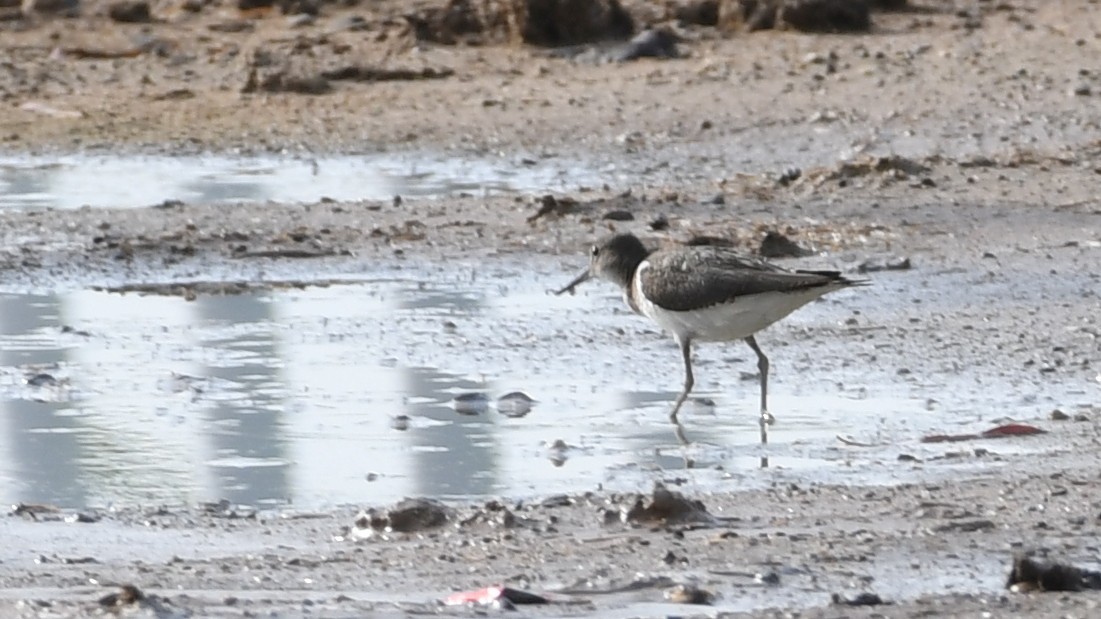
(762, 367)
(689, 382)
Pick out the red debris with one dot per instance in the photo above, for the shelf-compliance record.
(1002, 431)
(1012, 429)
(493, 594)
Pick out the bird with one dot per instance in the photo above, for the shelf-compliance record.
(706, 294)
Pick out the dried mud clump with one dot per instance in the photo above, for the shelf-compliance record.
(570, 22)
(1029, 574)
(474, 22)
(407, 516)
(667, 507)
(546, 23)
(697, 12)
(801, 15)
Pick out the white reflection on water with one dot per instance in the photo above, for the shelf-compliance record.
(288, 396)
(73, 181)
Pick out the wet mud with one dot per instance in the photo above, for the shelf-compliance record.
(219, 389)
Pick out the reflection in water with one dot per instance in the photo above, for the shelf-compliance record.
(208, 189)
(289, 396)
(249, 455)
(467, 463)
(126, 182)
(43, 441)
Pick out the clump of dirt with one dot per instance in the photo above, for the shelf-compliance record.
(667, 507)
(407, 516)
(801, 15)
(547, 23)
(1029, 574)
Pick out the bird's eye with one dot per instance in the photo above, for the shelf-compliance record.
(596, 250)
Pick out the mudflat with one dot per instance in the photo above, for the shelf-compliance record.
(952, 154)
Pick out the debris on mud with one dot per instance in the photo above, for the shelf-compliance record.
(225, 509)
(125, 596)
(1028, 574)
(34, 510)
(689, 594)
(861, 599)
(776, 245)
(801, 15)
(901, 263)
(285, 82)
(409, 515)
(495, 595)
(130, 12)
(667, 507)
(552, 207)
(697, 12)
(1002, 431)
(362, 73)
(497, 515)
(889, 168)
(545, 23)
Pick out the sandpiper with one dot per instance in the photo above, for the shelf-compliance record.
(707, 294)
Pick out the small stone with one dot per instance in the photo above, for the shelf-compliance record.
(130, 12)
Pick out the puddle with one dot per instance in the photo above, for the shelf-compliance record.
(74, 181)
(290, 396)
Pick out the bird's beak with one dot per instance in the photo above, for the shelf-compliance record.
(584, 277)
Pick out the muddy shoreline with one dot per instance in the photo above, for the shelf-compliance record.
(962, 139)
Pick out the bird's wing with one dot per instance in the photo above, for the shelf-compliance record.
(686, 280)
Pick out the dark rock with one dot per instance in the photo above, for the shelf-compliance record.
(900, 263)
(470, 403)
(689, 594)
(667, 507)
(697, 12)
(515, 404)
(861, 599)
(362, 73)
(1028, 574)
(552, 23)
(126, 595)
(459, 21)
(824, 15)
(618, 215)
(704, 240)
(299, 7)
(66, 8)
(280, 82)
(42, 379)
(130, 12)
(802, 15)
(776, 245)
(659, 223)
(407, 516)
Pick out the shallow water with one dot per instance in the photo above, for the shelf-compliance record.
(289, 396)
(73, 181)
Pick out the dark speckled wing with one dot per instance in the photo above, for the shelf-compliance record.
(697, 277)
